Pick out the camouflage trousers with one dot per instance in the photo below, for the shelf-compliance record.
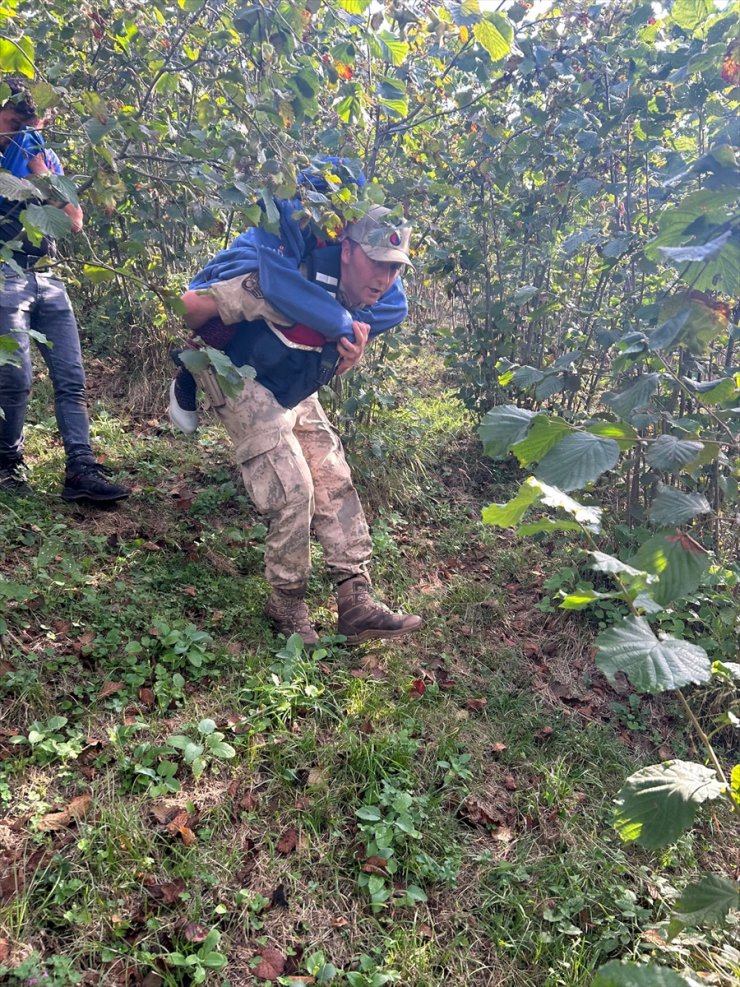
(296, 475)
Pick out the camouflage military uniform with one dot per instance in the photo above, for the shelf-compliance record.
(295, 472)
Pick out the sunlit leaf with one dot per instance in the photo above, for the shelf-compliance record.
(510, 514)
(621, 432)
(546, 432)
(17, 56)
(700, 252)
(677, 560)
(495, 34)
(659, 803)
(691, 14)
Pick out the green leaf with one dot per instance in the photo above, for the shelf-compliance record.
(49, 220)
(735, 784)
(636, 396)
(658, 804)
(580, 599)
(17, 56)
(672, 507)
(502, 427)
(589, 517)
(676, 222)
(394, 49)
(222, 749)
(546, 432)
(616, 974)
(691, 14)
(578, 459)
(715, 391)
(523, 294)
(370, 813)
(613, 565)
(677, 560)
(510, 514)
(354, 6)
(670, 333)
(17, 189)
(652, 665)
(98, 274)
(44, 95)
(669, 454)
(495, 34)
(621, 432)
(699, 252)
(191, 751)
(547, 525)
(708, 901)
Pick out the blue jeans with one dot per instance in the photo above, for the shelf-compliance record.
(40, 302)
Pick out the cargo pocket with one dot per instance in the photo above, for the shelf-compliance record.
(275, 475)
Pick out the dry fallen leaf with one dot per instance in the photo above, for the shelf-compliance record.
(168, 892)
(271, 964)
(146, 696)
(76, 810)
(510, 783)
(476, 705)
(288, 841)
(179, 827)
(417, 687)
(109, 689)
(375, 865)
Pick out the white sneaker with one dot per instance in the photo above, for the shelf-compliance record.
(186, 421)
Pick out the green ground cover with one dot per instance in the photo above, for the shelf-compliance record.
(188, 799)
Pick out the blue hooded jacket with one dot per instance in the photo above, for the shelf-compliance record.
(291, 373)
(15, 157)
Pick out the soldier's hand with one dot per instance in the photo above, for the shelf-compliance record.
(351, 353)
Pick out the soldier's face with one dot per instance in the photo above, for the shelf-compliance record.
(363, 281)
(11, 122)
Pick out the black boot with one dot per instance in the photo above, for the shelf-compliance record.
(88, 482)
(13, 478)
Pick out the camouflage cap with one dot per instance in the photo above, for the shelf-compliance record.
(379, 240)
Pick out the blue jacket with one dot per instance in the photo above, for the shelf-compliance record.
(289, 372)
(21, 148)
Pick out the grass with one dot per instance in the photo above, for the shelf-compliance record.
(432, 812)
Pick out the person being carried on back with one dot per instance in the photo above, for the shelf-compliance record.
(291, 282)
(291, 459)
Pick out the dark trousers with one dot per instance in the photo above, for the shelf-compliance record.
(39, 302)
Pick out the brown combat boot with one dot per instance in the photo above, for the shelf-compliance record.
(288, 614)
(361, 618)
